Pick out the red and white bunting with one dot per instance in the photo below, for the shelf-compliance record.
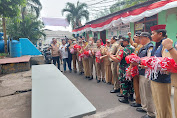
(130, 16)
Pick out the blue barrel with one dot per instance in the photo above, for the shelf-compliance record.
(1, 34)
(1, 43)
(1, 46)
(15, 49)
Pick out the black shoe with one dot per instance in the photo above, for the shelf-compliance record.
(135, 105)
(124, 100)
(131, 97)
(86, 77)
(109, 83)
(91, 78)
(80, 73)
(96, 78)
(103, 81)
(147, 116)
(115, 91)
(98, 81)
(140, 110)
(120, 95)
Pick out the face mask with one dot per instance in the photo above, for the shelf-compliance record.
(74, 41)
(90, 42)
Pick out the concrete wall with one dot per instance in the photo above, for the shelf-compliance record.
(98, 35)
(132, 29)
(106, 34)
(169, 17)
(90, 34)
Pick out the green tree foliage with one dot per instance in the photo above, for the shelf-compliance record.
(1, 30)
(75, 13)
(11, 8)
(33, 7)
(102, 13)
(30, 28)
(122, 4)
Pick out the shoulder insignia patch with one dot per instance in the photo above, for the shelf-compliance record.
(120, 52)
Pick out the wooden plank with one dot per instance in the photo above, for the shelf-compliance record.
(54, 96)
(15, 60)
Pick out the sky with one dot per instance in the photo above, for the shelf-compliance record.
(53, 8)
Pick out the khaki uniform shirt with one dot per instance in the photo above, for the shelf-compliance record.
(55, 50)
(107, 61)
(166, 53)
(99, 48)
(71, 46)
(114, 48)
(137, 48)
(80, 44)
(91, 47)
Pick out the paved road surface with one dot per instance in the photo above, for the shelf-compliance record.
(19, 106)
(106, 103)
(99, 95)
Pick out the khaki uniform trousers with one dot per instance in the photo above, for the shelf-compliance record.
(108, 73)
(146, 96)
(86, 67)
(80, 64)
(91, 64)
(74, 57)
(161, 93)
(107, 66)
(115, 75)
(136, 89)
(100, 70)
(174, 83)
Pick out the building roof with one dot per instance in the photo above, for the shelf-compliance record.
(50, 33)
(104, 18)
(101, 19)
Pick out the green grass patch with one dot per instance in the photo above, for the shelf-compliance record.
(3, 54)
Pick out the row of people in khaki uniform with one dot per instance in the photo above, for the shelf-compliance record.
(152, 96)
(105, 67)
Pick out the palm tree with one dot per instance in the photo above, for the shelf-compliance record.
(32, 6)
(76, 13)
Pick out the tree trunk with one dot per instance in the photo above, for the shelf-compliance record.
(4, 30)
(74, 26)
(23, 13)
(79, 22)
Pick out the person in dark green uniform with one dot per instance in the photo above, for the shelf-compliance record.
(126, 85)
